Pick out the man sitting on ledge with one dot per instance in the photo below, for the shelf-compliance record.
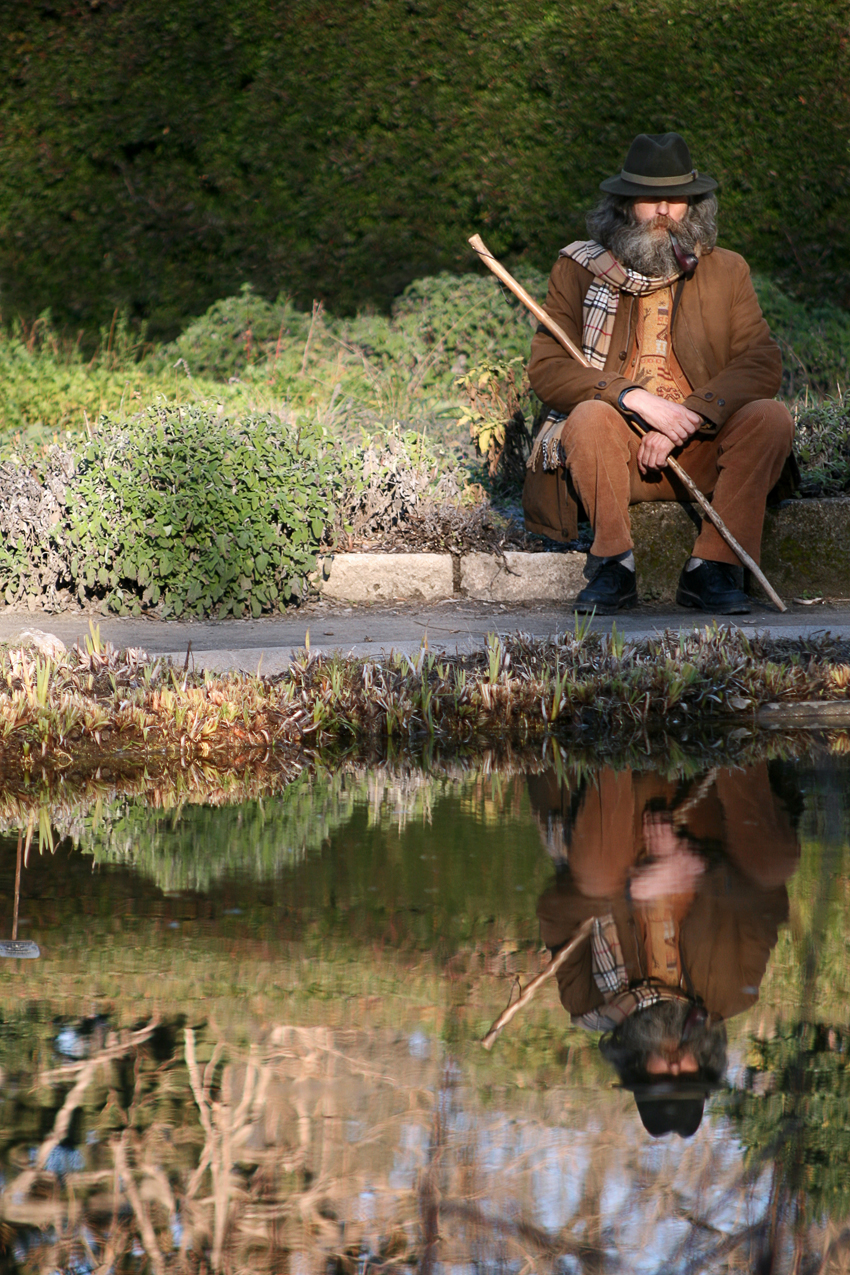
(675, 337)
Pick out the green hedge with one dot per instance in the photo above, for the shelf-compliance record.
(157, 155)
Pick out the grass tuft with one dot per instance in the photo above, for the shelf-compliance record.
(78, 711)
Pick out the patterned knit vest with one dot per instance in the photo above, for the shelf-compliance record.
(651, 361)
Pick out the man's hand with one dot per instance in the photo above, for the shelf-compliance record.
(677, 874)
(659, 835)
(674, 868)
(676, 422)
(653, 451)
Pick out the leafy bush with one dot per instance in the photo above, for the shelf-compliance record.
(192, 513)
(500, 414)
(184, 511)
(814, 338)
(400, 487)
(822, 444)
(234, 333)
(456, 318)
(31, 565)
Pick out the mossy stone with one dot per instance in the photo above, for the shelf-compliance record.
(805, 547)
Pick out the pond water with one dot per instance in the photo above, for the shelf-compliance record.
(252, 1038)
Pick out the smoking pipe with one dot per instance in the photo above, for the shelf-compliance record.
(688, 262)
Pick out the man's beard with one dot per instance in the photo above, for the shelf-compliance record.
(643, 1033)
(645, 246)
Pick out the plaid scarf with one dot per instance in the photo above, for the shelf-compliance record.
(600, 304)
(598, 314)
(609, 975)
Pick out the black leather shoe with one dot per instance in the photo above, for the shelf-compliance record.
(713, 586)
(613, 588)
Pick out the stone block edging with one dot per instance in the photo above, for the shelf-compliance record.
(387, 577)
(805, 551)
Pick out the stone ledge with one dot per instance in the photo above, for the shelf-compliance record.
(805, 547)
(522, 577)
(388, 577)
(806, 550)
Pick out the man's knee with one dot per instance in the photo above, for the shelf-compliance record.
(767, 422)
(594, 426)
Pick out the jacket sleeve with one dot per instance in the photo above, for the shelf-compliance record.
(561, 910)
(753, 364)
(727, 937)
(555, 376)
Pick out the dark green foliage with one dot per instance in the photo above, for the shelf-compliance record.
(822, 444)
(235, 333)
(795, 1112)
(159, 154)
(195, 514)
(814, 339)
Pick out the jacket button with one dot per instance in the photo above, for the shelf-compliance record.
(623, 353)
(601, 384)
(597, 396)
(708, 394)
(721, 402)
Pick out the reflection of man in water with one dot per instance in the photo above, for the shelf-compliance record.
(686, 885)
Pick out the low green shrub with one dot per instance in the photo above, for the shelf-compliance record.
(186, 511)
(822, 444)
(254, 356)
(815, 341)
(196, 514)
(235, 333)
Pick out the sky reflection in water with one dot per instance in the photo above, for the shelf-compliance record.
(251, 1042)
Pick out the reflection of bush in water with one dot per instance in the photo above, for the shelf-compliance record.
(191, 846)
(795, 1111)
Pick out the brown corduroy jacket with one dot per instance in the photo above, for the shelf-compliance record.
(719, 337)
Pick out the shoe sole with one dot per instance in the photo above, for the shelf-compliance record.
(585, 608)
(691, 600)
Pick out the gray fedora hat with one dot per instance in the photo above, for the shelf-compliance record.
(658, 166)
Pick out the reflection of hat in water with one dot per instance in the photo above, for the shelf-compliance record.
(672, 1105)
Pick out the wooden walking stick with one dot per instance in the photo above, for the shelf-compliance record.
(558, 332)
(537, 982)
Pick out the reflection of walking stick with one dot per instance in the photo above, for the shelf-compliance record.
(680, 813)
(530, 989)
(558, 332)
(23, 949)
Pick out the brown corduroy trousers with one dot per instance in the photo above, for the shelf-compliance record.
(737, 467)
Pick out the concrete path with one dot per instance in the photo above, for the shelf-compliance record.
(455, 624)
